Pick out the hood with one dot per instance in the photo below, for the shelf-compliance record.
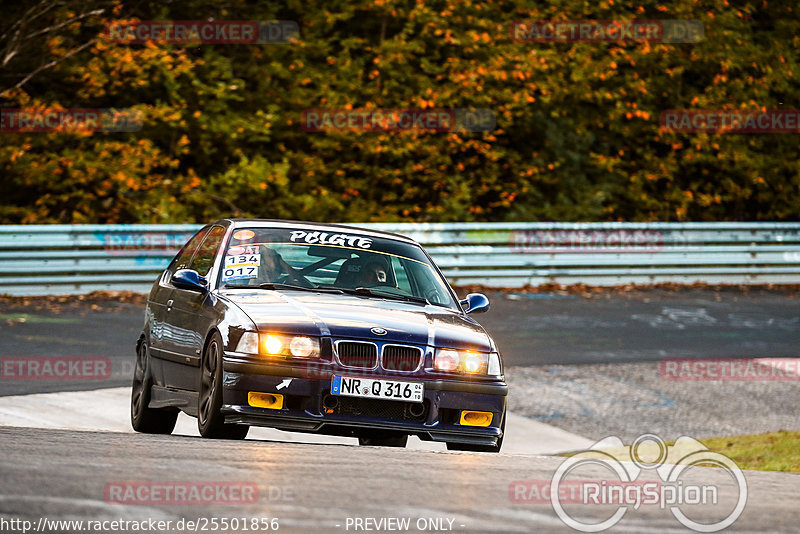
(354, 317)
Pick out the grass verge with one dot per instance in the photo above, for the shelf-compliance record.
(774, 451)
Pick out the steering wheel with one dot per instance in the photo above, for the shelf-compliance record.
(299, 278)
(382, 284)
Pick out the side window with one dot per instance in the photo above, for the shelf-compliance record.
(183, 258)
(204, 258)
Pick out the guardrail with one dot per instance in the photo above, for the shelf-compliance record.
(73, 259)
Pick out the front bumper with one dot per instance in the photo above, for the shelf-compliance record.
(304, 411)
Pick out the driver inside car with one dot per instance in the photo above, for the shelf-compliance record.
(272, 267)
(373, 273)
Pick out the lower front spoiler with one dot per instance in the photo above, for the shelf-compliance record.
(304, 407)
(350, 426)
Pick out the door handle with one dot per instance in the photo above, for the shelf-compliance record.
(169, 304)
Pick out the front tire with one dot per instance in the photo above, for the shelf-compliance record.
(143, 418)
(210, 421)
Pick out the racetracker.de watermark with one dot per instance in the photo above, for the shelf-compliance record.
(144, 243)
(191, 32)
(322, 370)
(605, 31)
(393, 120)
(730, 121)
(159, 493)
(730, 369)
(55, 368)
(586, 241)
(70, 120)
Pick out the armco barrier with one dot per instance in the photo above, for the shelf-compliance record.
(72, 259)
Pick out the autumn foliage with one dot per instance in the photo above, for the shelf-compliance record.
(577, 134)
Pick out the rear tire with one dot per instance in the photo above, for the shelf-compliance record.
(143, 418)
(383, 439)
(210, 422)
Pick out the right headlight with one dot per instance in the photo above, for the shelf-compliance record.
(467, 362)
(267, 344)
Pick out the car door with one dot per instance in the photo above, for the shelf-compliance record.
(190, 317)
(162, 336)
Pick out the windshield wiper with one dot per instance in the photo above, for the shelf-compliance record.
(327, 288)
(371, 292)
(274, 286)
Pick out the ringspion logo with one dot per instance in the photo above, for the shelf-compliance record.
(674, 490)
(582, 491)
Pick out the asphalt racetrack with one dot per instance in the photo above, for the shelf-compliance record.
(532, 329)
(579, 369)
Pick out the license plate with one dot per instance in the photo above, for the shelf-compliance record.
(377, 389)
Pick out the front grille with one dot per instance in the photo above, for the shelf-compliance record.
(356, 354)
(382, 409)
(401, 358)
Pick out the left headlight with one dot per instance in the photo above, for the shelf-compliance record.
(279, 345)
(467, 362)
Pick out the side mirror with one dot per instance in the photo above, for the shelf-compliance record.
(475, 303)
(189, 279)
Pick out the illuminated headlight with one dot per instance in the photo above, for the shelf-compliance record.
(467, 361)
(283, 345)
(272, 344)
(279, 345)
(472, 362)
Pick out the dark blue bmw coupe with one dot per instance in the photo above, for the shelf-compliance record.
(316, 328)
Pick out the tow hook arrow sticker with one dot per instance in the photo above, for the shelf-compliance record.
(284, 384)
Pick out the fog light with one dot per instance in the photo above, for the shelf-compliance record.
(476, 418)
(273, 401)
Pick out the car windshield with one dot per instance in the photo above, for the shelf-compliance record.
(346, 261)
